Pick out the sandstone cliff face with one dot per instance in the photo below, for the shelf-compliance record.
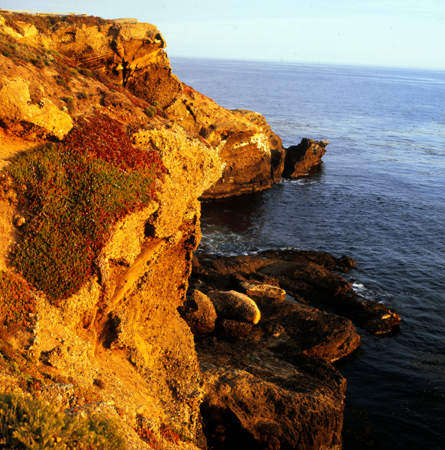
(132, 55)
(120, 336)
(122, 327)
(127, 52)
(251, 153)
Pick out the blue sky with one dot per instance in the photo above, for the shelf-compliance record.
(402, 33)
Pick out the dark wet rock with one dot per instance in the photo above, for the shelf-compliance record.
(306, 275)
(301, 158)
(272, 385)
(228, 328)
(260, 291)
(253, 400)
(290, 328)
(286, 326)
(199, 313)
(345, 263)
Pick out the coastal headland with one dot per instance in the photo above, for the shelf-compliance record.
(106, 313)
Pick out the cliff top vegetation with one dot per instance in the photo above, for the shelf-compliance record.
(75, 192)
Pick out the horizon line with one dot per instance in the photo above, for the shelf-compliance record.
(313, 63)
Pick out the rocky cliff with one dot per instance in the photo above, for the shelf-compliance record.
(104, 155)
(101, 326)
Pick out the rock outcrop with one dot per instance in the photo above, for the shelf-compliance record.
(270, 384)
(125, 51)
(255, 400)
(16, 107)
(119, 337)
(305, 275)
(129, 52)
(132, 55)
(199, 313)
(304, 157)
(252, 155)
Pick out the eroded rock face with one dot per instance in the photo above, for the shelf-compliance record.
(252, 155)
(275, 144)
(126, 51)
(301, 158)
(132, 53)
(192, 169)
(43, 118)
(123, 327)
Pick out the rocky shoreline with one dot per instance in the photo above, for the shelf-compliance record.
(286, 355)
(180, 350)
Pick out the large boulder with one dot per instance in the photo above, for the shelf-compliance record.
(199, 313)
(234, 305)
(301, 158)
(261, 291)
(254, 400)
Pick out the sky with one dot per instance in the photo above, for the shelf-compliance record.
(398, 33)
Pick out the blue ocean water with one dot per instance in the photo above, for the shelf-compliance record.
(379, 198)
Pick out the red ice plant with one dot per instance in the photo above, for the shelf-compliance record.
(76, 192)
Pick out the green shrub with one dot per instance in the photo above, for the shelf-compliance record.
(29, 424)
(61, 81)
(76, 192)
(70, 103)
(150, 112)
(86, 72)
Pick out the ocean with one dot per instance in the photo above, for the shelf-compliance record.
(379, 197)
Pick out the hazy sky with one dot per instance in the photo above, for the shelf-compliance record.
(408, 33)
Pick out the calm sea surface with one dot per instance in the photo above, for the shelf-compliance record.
(379, 198)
